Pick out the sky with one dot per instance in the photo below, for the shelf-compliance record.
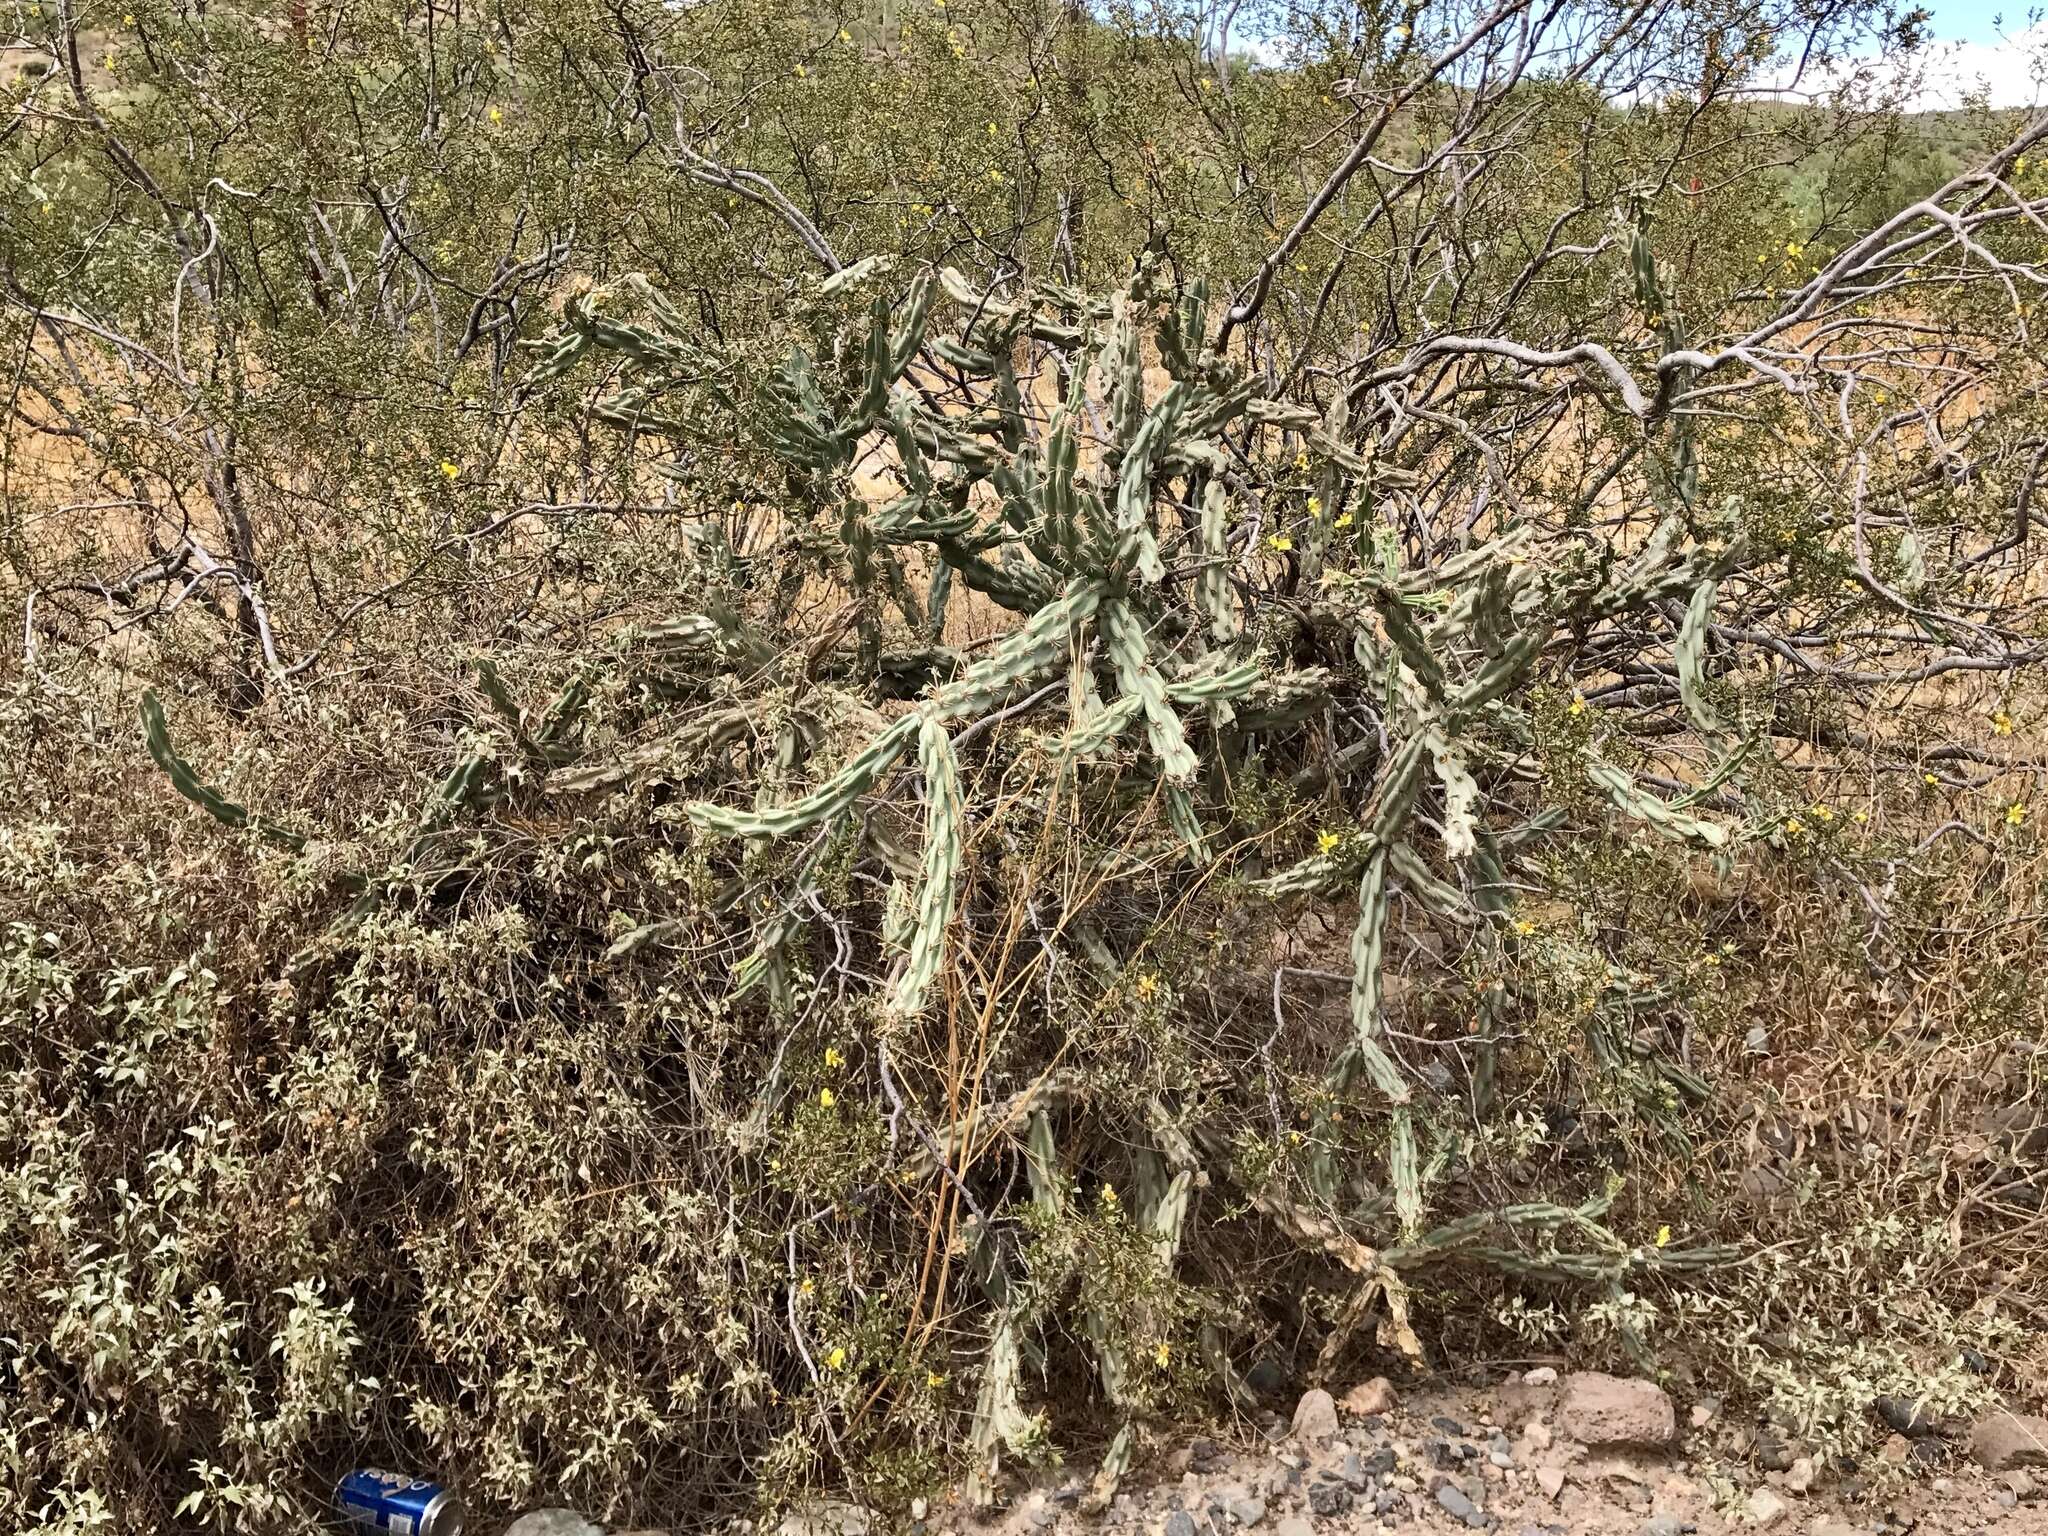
(1992, 45)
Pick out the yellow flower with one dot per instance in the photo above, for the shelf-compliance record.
(826, 1099)
(801, 72)
(1710, 959)
(1578, 705)
(808, 1286)
(1859, 817)
(1823, 813)
(2001, 723)
(1208, 84)
(1930, 780)
(1794, 827)
(1301, 460)
(1344, 520)
(1108, 1194)
(1280, 542)
(833, 1058)
(1663, 1237)
(836, 1359)
(1524, 927)
(995, 176)
(934, 1380)
(1315, 506)
(2015, 814)
(128, 20)
(1326, 842)
(1163, 1355)
(845, 36)
(1148, 984)
(451, 470)
(496, 116)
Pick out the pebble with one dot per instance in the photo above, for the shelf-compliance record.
(1537, 1433)
(918, 1509)
(1550, 1480)
(1458, 1506)
(1765, 1509)
(1044, 1516)
(1542, 1376)
(1500, 1459)
(1294, 1525)
(1662, 1525)
(1799, 1476)
(1315, 1416)
(1381, 1462)
(1352, 1470)
(1180, 1523)
(1449, 1426)
(1328, 1499)
(1247, 1511)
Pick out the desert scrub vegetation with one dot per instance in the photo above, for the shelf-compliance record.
(750, 748)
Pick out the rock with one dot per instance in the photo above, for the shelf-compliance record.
(1605, 1410)
(2001, 1441)
(559, 1522)
(1542, 1376)
(1448, 1425)
(826, 1519)
(1326, 1499)
(919, 1509)
(1773, 1450)
(1500, 1459)
(1266, 1376)
(2022, 1485)
(1315, 1416)
(1765, 1509)
(1454, 1502)
(1705, 1411)
(1370, 1397)
(1247, 1511)
(1536, 1435)
(1799, 1476)
(1352, 1471)
(1044, 1516)
(1294, 1525)
(1180, 1523)
(1662, 1525)
(1895, 1450)
(1551, 1481)
(1908, 1417)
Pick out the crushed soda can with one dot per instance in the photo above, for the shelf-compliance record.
(397, 1504)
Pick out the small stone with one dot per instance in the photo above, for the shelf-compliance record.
(1895, 1450)
(1459, 1507)
(1662, 1525)
(1605, 1410)
(1388, 1502)
(1266, 1376)
(1315, 1416)
(918, 1509)
(1765, 1509)
(2022, 1486)
(1799, 1476)
(1705, 1411)
(1551, 1481)
(1370, 1397)
(1542, 1376)
(1294, 1525)
(1500, 1459)
(1247, 1511)
(2001, 1441)
(2007, 1499)
(1352, 1470)
(1908, 1417)
(1536, 1435)
(1326, 1499)
(1044, 1516)
(1180, 1523)
(1773, 1450)
(1404, 1483)
(1449, 1426)
(560, 1522)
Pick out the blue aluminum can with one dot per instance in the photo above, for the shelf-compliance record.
(397, 1505)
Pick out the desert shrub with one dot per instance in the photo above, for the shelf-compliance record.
(660, 882)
